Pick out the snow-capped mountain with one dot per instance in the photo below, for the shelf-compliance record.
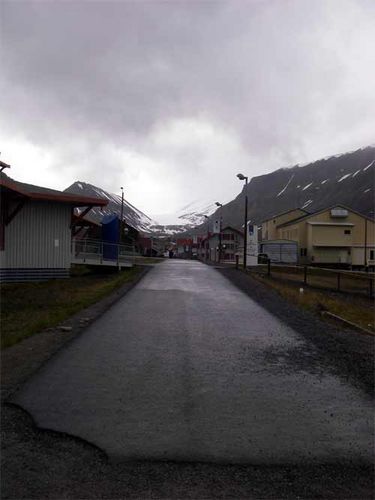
(132, 215)
(194, 213)
(346, 179)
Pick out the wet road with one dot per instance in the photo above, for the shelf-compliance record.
(188, 367)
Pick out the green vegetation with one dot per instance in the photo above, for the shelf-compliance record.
(352, 307)
(27, 308)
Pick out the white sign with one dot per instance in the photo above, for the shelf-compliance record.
(216, 227)
(252, 245)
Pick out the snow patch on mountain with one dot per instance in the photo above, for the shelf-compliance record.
(369, 165)
(344, 177)
(194, 213)
(307, 203)
(286, 185)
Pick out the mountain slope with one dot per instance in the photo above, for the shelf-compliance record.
(346, 179)
(132, 215)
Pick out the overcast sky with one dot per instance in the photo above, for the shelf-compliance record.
(172, 99)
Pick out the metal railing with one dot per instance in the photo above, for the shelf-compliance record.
(101, 252)
(357, 282)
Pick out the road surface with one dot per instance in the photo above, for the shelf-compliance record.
(187, 367)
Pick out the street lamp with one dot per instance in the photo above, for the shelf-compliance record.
(244, 178)
(220, 221)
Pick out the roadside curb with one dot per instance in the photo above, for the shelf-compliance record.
(343, 321)
(16, 368)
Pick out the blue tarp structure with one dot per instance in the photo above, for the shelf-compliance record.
(110, 236)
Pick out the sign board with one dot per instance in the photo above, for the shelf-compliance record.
(252, 245)
(216, 227)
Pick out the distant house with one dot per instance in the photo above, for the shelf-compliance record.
(35, 230)
(232, 242)
(184, 247)
(335, 235)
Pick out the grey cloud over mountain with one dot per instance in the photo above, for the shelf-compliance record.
(178, 96)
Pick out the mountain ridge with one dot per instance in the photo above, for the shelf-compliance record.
(345, 178)
(313, 186)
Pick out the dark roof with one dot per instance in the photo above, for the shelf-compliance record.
(47, 194)
(298, 219)
(286, 212)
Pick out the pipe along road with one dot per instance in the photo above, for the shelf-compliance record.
(186, 367)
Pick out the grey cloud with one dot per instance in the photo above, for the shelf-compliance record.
(279, 75)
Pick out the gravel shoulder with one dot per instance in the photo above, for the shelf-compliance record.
(345, 352)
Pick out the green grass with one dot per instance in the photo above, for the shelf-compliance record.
(354, 308)
(28, 308)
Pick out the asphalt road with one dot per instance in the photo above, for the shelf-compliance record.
(188, 367)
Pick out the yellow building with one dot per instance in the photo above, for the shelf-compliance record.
(335, 235)
(269, 226)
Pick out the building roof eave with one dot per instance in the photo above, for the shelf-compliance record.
(313, 214)
(51, 195)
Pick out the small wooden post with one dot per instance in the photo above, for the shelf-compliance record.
(237, 261)
(305, 275)
(338, 281)
(371, 288)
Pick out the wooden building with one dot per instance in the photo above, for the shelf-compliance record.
(36, 228)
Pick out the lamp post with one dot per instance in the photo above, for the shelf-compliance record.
(244, 178)
(206, 253)
(220, 221)
(122, 211)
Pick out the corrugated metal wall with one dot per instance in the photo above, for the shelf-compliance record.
(39, 236)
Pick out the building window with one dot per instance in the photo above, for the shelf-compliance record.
(228, 236)
(371, 254)
(347, 231)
